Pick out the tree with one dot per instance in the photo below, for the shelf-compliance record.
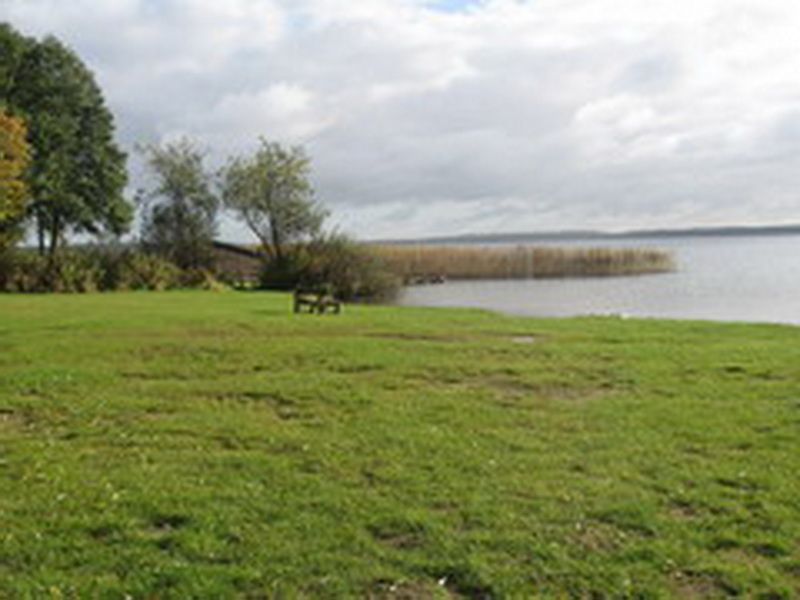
(14, 160)
(271, 193)
(180, 219)
(78, 174)
(12, 47)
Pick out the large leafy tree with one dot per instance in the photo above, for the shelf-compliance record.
(12, 48)
(78, 173)
(14, 159)
(271, 193)
(180, 207)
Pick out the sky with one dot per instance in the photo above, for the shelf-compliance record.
(444, 117)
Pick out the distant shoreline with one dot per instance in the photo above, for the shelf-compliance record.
(569, 235)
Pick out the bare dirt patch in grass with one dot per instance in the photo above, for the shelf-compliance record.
(420, 337)
(599, 537)
(462, 581)
(283, 407)
(12, 419)
(158, 376)
(682, 509)
(693, 584)
(398, 533)
(404, 590)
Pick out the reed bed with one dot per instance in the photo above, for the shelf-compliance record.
(419, 263)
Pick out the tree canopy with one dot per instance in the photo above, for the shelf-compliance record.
(271, 193)
(77, 175)
(180, 216)
(14, 160)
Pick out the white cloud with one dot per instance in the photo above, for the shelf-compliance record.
(284, 111)
(506, 115)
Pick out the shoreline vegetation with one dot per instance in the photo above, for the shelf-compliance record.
(356, 271)
(428, 262)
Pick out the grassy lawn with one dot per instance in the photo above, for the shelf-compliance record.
(208, 445)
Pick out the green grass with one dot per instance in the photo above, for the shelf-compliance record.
(209, 445)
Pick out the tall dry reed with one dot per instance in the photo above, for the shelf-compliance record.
(521, 262)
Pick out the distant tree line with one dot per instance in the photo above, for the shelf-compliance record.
(62, 174)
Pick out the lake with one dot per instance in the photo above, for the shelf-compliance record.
(725, 278)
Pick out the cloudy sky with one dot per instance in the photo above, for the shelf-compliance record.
(430, 117)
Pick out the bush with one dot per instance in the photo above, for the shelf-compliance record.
(96, 268)
(201, 279)
(353, 270)
(140, 271)
(74, 272)
(27, 272)
(285, 273)
(349, 269)
(22, 271)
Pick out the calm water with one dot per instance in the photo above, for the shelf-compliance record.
(747, 278)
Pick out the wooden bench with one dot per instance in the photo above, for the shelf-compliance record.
(316, 300)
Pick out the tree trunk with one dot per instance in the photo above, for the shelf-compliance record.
(49, 248)
(266, 246)
(40, 233)
(277, 243)
(55, 234)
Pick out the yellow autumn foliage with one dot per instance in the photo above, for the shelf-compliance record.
(14, 159)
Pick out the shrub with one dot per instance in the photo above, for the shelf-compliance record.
(111, 260)
(287, 271)
(74, 272)
(140, 271)
(351, 270)
(22, 271)
(95, 268)
(27, 272)
(201, 279)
